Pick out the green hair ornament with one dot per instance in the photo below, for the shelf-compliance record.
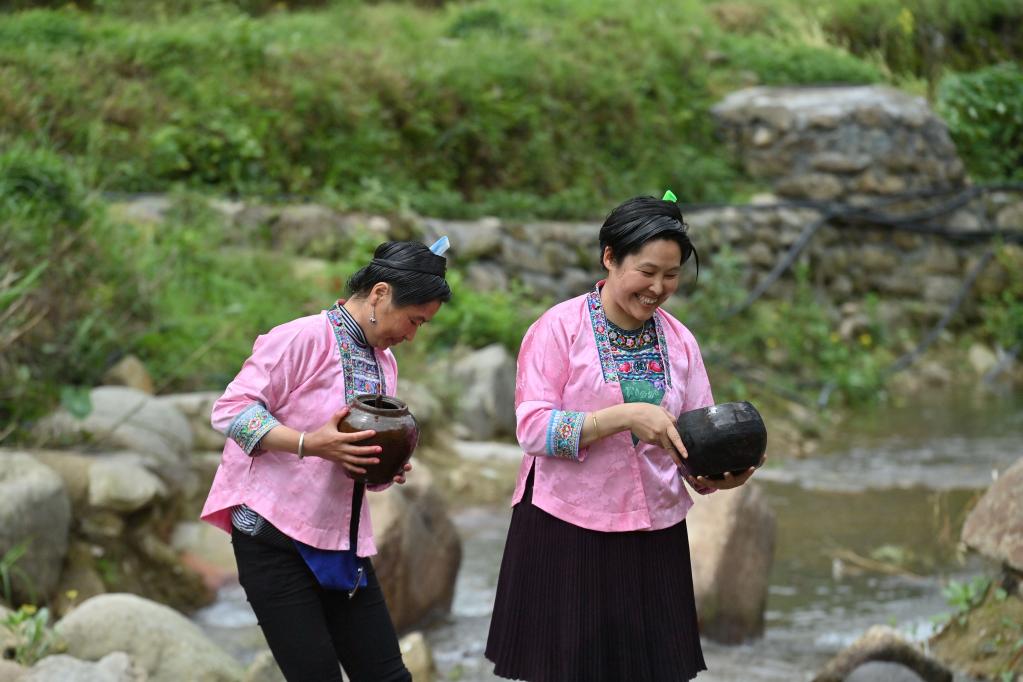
(669, 196)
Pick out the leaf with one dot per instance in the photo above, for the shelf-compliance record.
(76, 400)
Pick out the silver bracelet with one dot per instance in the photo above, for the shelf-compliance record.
(301, 442)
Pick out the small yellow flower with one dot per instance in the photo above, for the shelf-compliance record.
(834, 337)
(866, 340)
(29, 609)
(71, 594)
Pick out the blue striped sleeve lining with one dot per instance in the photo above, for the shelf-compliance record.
(563, 433)
(250, 426)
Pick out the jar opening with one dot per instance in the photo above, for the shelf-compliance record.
(380, 402)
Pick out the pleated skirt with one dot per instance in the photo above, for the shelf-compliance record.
(576, 605)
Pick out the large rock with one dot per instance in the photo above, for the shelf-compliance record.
(159, 639)
(197, 408)
(419, 550)
(313, 228)
(115, 667)
(423, 404)
(34, 509)
(486, 406)
(479, 472)
(130, 371)
(123, 486)
(149, 209)
(206, 550)
(264, 669)
(310, 228)
(882, 643)
(80, 579)
(470, 240)
(126, 418)
(11, 671)
(417, 656)
(731, 535)
(836, 142)
(995, 526)
(73, 469)
(880, 671)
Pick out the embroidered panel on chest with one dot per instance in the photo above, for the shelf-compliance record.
(642, 365)
(364, 377)
(358, 365)
(612, 344)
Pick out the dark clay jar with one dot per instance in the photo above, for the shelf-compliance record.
(726, 437)
(397, 432)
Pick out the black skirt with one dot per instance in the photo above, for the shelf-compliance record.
(577, 605)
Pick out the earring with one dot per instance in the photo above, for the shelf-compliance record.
(373, 316)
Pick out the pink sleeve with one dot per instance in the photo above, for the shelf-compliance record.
(544, 427)
(281, 360)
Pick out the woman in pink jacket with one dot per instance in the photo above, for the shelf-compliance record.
(283, 489)
(596, 582)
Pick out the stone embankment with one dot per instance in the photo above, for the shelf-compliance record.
(827, 154)
(107, 524)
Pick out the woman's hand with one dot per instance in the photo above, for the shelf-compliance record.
(729, 481)
(655, 425)
(400, 478)
(327, 442)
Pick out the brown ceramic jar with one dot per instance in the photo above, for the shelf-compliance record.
(397, 432)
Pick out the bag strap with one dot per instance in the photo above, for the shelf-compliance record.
(353, 532)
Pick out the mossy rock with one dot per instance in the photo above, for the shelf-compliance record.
(987, 641)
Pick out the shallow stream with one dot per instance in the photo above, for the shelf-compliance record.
(867, 534)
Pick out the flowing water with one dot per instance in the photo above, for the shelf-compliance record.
(888, 493)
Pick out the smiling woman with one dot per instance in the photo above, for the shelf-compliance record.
(286, 488)
(596, 583)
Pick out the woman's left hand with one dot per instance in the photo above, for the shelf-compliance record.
(729, 481)
(400, 478)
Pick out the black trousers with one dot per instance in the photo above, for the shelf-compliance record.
(310, 629)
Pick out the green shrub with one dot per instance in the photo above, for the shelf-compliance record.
(777, 63)
(39, 184)
(921, 36)
(45, 29)
(476, 319)
(1002, 313)
(30, 636)
(80, 290)
(984, 112)
(491, 105)
(790, 343)
(63, 282)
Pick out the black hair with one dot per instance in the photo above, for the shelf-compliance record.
(415, 273)
(643, 219)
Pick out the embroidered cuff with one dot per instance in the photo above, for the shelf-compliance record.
(563, 432)
(250, 426)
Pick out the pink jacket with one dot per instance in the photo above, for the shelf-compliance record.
(564, 371)
(296, 376)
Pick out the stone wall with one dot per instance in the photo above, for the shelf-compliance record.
(839, 143)
(834, 150)
(907, 273)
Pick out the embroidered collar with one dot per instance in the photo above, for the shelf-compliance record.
(352, 354)
(632, 339)
(602, 331)
(351, 326)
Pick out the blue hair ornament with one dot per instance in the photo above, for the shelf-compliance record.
(440, 246)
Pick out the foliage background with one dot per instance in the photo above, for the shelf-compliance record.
(538, 108)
